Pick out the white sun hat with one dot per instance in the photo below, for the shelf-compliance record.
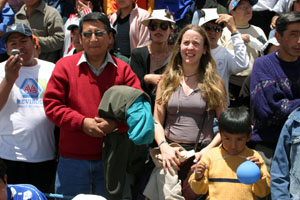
(208, 14)
(160, 14)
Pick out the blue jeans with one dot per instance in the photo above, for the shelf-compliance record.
(75, 176)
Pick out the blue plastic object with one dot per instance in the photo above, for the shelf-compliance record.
(248, 172)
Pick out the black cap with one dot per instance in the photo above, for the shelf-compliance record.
(16, 28)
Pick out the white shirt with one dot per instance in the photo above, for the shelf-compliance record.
(231, 62)
(25, 132)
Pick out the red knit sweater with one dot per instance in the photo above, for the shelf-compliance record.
(73, 93)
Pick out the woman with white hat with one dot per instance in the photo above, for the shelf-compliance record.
(148, 62)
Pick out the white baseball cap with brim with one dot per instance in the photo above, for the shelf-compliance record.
(74, 23)
(208, 14)
(161, 14)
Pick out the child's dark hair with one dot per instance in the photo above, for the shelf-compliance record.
(2, 170)
(235, 121)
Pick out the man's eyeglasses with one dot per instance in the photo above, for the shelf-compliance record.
(154, 26)
(217, 29)
(89, 34)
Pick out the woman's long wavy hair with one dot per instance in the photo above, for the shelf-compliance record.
(209, 82)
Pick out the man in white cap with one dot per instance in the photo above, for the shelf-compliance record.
(75, 36)
(228, 62)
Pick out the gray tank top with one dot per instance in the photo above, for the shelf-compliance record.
(184, 115)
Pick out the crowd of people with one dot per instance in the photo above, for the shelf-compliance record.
(209, 76)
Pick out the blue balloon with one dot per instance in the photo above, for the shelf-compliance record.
(248, 172)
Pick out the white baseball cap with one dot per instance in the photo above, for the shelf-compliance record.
(74, 23)
(208, 14)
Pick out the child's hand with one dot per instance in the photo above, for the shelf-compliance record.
(255, 160)
(199, 170)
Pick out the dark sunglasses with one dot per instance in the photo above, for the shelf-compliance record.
(154, 26)
(217, 29)
(89, 34)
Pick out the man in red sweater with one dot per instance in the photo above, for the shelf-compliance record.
(71, 99)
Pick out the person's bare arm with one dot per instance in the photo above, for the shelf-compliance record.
(169, 154)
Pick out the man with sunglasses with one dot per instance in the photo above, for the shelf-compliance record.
(228, 62)
(71, 100)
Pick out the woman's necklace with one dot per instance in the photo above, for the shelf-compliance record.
(186, 77)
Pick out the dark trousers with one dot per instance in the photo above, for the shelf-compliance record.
(41, 175)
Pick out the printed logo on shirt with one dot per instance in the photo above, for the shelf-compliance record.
(30, 88)
(31, 92)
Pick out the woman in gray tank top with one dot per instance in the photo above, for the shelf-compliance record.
(190, 86)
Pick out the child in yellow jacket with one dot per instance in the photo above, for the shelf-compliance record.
(215, 174)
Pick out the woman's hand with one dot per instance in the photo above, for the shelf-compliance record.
(170, 158)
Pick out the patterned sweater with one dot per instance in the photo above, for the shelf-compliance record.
(275, 93)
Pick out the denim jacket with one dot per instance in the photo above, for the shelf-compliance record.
(285, 171)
